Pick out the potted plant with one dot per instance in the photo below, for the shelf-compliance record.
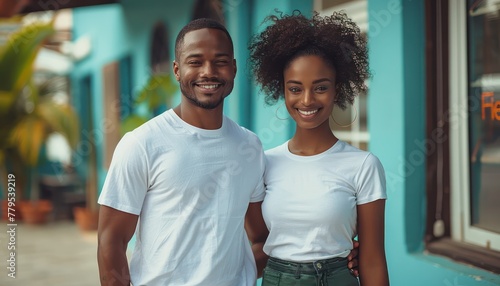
(28, 117)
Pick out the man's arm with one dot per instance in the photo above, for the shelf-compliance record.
(257, 234)
(353, 258)
(372, 262)
(114, 232)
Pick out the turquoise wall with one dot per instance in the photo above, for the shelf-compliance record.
(238, 22)
(396, 108)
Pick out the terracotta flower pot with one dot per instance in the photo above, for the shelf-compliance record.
(85, 218)
(35, 212)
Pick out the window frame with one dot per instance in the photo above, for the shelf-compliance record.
(459, 134)
(459, 240)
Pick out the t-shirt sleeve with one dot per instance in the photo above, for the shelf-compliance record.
(127, 180)
(370, 181)
(260, 191)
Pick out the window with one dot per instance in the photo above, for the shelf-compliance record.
(478, 144)
(463, 170)
(484, 118)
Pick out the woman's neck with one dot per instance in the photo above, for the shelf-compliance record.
(308, 142)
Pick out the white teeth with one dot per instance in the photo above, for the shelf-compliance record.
(307, 112)
(211, 86)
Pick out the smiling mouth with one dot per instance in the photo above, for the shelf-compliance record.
(209, 87)
(307, 112)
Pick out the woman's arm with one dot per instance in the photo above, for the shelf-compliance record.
(372, 262)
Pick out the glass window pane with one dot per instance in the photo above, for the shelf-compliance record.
(484, 113)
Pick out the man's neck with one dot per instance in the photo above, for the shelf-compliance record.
(210, 119)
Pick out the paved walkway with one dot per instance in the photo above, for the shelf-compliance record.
(57, 253)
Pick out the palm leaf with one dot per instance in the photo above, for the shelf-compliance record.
(52, 86)
(16, 65)
(23, 104)
(6, 100)
(28, 136)
(158, 90)
(17, 57)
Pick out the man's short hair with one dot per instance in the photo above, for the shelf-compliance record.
(198, 24)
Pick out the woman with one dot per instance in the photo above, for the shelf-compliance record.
(321, 191)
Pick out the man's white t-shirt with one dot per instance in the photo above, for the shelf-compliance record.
(310, 204)
(191, 188)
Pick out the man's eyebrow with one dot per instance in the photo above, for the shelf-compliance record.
(194, 56)
(201, 55)
(222, 55)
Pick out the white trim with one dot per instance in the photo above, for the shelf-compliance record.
(458, 110)
(481, 237)
(461, 229)
(357, 137)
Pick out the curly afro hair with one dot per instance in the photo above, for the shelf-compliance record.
(334, 38)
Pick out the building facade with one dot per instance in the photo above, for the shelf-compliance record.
(431, 114)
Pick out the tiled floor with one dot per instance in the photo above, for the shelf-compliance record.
(57, 253)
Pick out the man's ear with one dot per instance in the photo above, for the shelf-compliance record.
(176, 70)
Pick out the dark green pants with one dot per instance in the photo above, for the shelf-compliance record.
(330, 272)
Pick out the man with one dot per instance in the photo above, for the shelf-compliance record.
(190, 180)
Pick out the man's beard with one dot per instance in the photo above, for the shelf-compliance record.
(191, 97)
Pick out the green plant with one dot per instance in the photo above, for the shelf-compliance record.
(158, 90)
(28, 113)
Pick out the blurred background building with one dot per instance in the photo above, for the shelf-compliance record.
(432, 113)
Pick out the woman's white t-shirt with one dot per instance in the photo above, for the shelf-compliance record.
(310, 203)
